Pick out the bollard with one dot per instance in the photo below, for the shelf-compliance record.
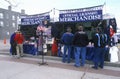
(4, 40)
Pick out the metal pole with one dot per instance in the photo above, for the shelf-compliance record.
(43, 63)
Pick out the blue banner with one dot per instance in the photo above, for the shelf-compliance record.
(81, 16)
(34, 19)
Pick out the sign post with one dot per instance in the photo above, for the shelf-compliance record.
(40, 33)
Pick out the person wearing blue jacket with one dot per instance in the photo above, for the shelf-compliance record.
(13, 44)
(66, 40)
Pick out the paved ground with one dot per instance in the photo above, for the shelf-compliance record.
(28, 67)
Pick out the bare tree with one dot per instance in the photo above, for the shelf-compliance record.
(11, 4)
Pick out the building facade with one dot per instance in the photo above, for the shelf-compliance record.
(9, 22)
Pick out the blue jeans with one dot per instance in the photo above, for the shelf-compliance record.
(98, 59)
(80, 52)
(102, 56)
(67, 47)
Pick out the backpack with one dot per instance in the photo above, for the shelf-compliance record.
(103, 40)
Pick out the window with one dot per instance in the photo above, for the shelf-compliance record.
(7, 24)
(1, 15)
(13, 17)
(1, 24)
(13, 24)
(18, 17)
(8, 33)
(18, 20)
(7, 16)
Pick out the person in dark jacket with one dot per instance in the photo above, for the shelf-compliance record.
(80, 41)
(13, 44)
(100, 42)
(67, 41)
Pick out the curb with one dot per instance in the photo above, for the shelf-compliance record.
(117, 64)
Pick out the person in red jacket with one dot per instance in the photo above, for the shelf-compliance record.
(19, 39)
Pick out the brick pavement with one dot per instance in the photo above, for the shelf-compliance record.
(58, 64)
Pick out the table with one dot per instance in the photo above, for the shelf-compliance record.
(30, 49)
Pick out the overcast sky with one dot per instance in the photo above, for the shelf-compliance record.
(41, 6)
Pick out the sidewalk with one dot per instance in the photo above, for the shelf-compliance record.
(29, 68)
(4, 49)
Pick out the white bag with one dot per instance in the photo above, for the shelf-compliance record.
(114, 54)
(62, 50)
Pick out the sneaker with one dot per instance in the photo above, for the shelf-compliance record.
(76, 66)
(82, 65)
(94, 67)
(101, 66)
(68, 62)
(21, 55)
(63, 61)
(18, 57)
(13, 55)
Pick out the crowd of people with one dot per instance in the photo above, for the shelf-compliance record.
(79, 42)
(73, 43)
